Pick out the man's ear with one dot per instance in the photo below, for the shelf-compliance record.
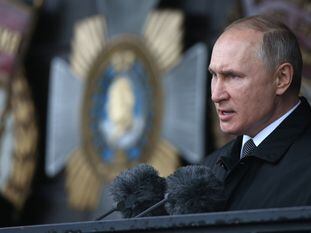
(284, 77)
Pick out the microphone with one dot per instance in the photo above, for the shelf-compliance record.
(194, 189)
(136, 189)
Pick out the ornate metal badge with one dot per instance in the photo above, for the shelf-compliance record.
(18, 131)
(122, 103)
(139, 100)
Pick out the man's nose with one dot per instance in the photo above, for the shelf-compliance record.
(219, 92)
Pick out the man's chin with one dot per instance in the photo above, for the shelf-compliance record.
(229, 130)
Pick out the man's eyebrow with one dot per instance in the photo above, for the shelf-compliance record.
(229, 72)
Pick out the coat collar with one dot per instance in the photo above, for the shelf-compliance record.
(277, 143)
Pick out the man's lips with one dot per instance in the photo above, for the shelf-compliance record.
(225, 114)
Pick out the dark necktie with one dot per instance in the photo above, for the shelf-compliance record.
(248, 147)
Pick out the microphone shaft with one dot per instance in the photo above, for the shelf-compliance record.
(152, 207)
(108, 213)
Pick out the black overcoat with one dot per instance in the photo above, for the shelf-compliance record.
(276, 174)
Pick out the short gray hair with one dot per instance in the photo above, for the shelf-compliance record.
(279, 44)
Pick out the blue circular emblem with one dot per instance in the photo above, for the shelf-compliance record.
(122, 106)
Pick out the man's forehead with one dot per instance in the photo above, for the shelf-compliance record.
(242, 37)
(242, 33)
(235, 46)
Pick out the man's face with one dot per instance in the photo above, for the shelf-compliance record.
(243, 89)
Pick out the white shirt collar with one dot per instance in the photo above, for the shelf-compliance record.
(268, 130)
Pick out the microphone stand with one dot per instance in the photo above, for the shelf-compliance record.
(106, 214)
(119, 206)
(153, 207)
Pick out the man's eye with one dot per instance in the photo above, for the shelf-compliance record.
(233, 76)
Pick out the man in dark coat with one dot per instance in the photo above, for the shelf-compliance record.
(256, 74)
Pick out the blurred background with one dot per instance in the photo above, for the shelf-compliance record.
(90, 88)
